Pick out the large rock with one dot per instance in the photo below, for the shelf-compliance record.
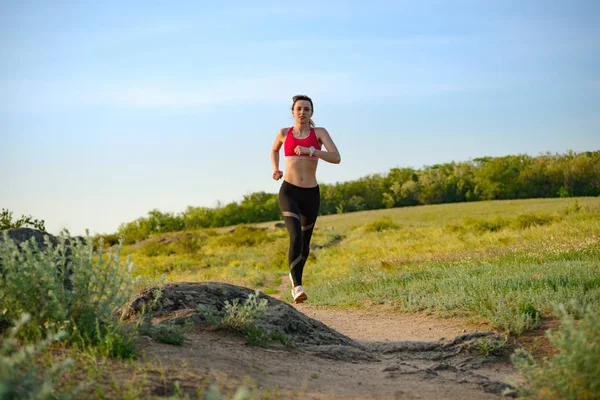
(180, 301)
(22, 235)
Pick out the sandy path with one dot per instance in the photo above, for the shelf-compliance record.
(295, 373)
(382, 323)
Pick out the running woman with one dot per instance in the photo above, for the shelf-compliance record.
(299, 197)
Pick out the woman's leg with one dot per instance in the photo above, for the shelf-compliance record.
(290, 209)
(309, 209)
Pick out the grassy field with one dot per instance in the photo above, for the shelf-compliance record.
(511, 264)
(503, 262)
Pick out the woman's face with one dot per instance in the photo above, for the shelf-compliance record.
(302, 111)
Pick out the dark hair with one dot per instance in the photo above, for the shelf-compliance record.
(304, 97)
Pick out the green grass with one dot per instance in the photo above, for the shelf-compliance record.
(504, 262)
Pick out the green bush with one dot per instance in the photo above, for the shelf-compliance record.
(490, 225)
(492, 346)
(238, 316)
(243, 236)
(154, 249)
(171, 333)
(21, 377)
(109, 239)
(72, 287)
(572, 373)
(167, 333)
(525, 221)
(381, 224)
(495, 224)
(242, 317)
(191, 243)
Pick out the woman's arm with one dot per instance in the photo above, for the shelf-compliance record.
(332, 155)
(279, 138)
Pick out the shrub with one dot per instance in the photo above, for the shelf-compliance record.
(243, 317)
(490, 225)
(164, 333)
(191, 243)
(573, 372)
(154, 249)
(21, 377)
(525, 221)
(238, 316)
(72, 287)
(381, 224)
(109, 239)
(492, 346)
(171, 333)
(243, 236)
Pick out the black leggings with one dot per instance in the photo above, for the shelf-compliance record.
(300, 207)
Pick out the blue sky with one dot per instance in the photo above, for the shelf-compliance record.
(111, 109)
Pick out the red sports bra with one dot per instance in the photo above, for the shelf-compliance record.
(291, 142)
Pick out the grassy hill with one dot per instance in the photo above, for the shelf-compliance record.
(504, 262)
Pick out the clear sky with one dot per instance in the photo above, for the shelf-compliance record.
(111, 109)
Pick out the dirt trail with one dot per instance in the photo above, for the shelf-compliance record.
(399, 357)
(382, 323)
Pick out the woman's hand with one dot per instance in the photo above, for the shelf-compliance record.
(300, 150)
(277, 175)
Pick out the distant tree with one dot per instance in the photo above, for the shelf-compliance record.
(483, 178)
(391, 187)
(6, 221)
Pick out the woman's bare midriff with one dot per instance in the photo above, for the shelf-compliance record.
(302, 173)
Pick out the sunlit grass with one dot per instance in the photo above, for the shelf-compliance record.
(502, 261)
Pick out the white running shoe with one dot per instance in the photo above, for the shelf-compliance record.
(299, 295)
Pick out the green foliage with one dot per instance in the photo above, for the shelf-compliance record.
(492, 346)
(488, 225)
(242, 317)
(524, 221)
(381, 224)
(238, 316)
(243, 236)
(171, 333)
(21, 376)
(573, 372)
(154, 249)
(485, 178)
(167, 333)
(72, 287)
(509, 310)
(6, 221)
(110, 240)
(495, 224)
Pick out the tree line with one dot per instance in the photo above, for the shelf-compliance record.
(487, 178)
